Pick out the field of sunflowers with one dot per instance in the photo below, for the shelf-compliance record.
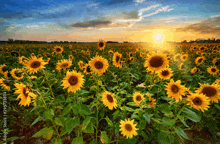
(122, 93)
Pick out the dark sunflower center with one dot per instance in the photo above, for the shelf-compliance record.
(214, 51)
(209, 91)
(8, 75)
(165, 73)
(98, 65)
(117, 58)
(131, 55)
(88, 69)
(6, 83)
(4, 69)
(183, 66)
(64, 65)
(24, 92)
(14, 54)
(213, 70)
(138, 98)
(101, 44)
(58, 49)
(156, 61)
(200, 60)
(174, 88)
(197, 101)
(73, 80)
(110, 99)
(184, 57)
(128, 127)
(202, 48)
(35, 64)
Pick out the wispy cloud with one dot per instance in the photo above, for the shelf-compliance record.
(163, 9)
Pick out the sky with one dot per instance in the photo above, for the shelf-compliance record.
(111, 20)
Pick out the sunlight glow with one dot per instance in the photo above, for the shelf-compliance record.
(158, 36)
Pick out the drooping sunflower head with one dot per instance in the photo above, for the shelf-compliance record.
(138, 97)
(58, 49)
(73, 81)
(198, 101)
(34, 64)
(101, 44)
(109, 100)
(151, 102)
(157, 62)
(98, 64)
(63, 64)
(182, 66)
(175, 90)
(165, 74)
(213, 70)
(211, 91)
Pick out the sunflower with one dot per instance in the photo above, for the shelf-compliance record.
(22, 60)
(2, 68)
(101, 44)
(110, 52)
(25, 94)
(175, 90)
(142, 55)
(71, 57)
(213, 70)
(187, 93)
(4, 84)
(198, 101)
(128, 128)
(87, 69)
(217, 81)
(32, 54)
(7, 75)
(194, 70)
(165, 74)
(151, 102)
(81, 65)
(156, 62)
(131, 58)
(184, 57)
(182, 66)
(73, 81)
(199, 60)
(214, 51)
(109, 100)
(63, 64)
(138, 97)
(17, 73)
(117, 59)
(58, 49)
(34, 64)
(98, 64)
(15, 54)
(211, 91)
(202, 48)
(177, 57)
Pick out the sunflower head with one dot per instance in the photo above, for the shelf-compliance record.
(213, 70)
(138, 97)
(165, 74)
(98, 65)
(109, 100)
(34, 64)
(58, 49)
(198, 101)
(101, 44)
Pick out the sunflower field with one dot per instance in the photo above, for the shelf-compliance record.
(121, 93)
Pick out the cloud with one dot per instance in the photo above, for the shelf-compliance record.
(91, 24)
(115, 2)
(163, 9)
(139, 1)
(209, 26)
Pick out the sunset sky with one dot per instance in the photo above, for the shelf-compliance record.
(112, 20)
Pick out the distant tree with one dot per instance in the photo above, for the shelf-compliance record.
(185, 41)
(10, 40)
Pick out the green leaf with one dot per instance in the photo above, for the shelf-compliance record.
(75, 108)
(131, 104)
(58, 121)
(66, 110)
(117, 127)
(49, 114)
(84, 110)
(39, 133)
(180, 132)
(60, 98)
(182, 120)
(116, 114)
(77, 140)
(39, 118)
(167, 121)
(191, 115)
(12, 139)
(134, 116)
(147, 117)
(89, 128)
(217, 106)
(83, 92)
(93, 142)
(70, 124)
(86, 122)
(163, 138)
(57, 141)
(165, 108)
(104, 137)
(108, 121)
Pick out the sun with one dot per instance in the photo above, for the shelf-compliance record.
(158, 36)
